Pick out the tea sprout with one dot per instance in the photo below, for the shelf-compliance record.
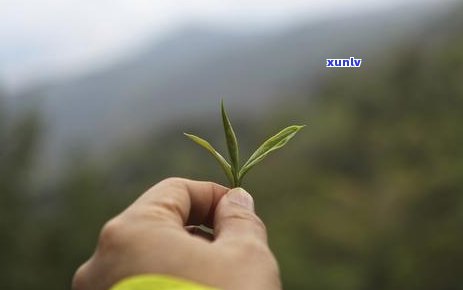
(232, 169)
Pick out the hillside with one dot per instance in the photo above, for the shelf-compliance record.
(186, 74)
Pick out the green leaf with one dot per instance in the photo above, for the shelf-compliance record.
(273, 143)
(206, 145)
(232, 145)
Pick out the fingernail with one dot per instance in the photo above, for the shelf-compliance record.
(241, 197)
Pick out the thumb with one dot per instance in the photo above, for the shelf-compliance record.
(235, 218)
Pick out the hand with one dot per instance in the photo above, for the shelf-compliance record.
(150, 237)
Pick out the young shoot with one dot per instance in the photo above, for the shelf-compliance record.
(232, 169)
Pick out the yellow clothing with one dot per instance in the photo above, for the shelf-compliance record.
(157, 282)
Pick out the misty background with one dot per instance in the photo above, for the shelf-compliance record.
(95, 96)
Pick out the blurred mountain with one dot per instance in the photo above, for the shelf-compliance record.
(188, 72)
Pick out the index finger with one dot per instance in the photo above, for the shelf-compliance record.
(181, 201)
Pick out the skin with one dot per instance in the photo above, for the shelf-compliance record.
(150, 237)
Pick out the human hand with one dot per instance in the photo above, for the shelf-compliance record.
(150, 237)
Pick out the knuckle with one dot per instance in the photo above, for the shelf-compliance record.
(111, 234)
(78, 281)
(249, 217)
(174, 181)
(253, 246)
(259, 223)
(164, 208)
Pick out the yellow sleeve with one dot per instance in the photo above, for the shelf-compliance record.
(157, 282)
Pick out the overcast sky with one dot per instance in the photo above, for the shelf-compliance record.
(42, 37)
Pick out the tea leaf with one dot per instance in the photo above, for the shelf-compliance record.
(234, 173)
(206, 145)
(273, 143)
(232, 145)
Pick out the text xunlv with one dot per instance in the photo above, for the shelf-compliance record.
(343, 62)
